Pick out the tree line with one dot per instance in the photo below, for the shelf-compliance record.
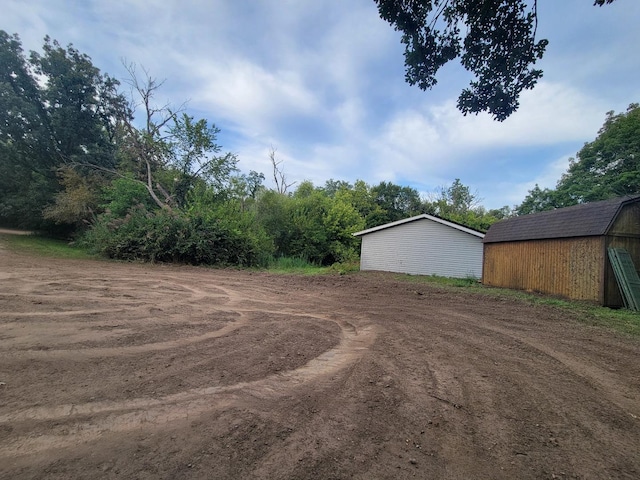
(134, 179)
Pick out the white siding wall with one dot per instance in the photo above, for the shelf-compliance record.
(423, 247)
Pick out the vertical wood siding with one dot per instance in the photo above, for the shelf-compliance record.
(423, 247)
(571, 267)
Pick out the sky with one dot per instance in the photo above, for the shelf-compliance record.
(322, 83)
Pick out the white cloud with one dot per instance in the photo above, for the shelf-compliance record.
(251, 97)
(442, 140)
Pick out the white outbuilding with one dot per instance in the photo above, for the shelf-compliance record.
(423, 245)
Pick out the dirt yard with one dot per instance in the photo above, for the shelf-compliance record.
(111, 370)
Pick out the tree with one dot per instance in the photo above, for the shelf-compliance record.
(279, 177)
(170, 151)
(321, 226)
(82, 106)
(23, 186)
(332, 187)
(244, 188)
(396, 202)
(341, 221)
(605, 168)
(191, 144)
(21, 110)
(56, 110)
(77, 203)
(273, 215)
(309, 238)
(499, 47)
(455, 200)
(145, 150)
(537, 200)
(456, 203)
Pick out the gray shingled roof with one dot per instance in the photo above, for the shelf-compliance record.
(584, 220)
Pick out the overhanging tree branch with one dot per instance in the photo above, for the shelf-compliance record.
(499, 47)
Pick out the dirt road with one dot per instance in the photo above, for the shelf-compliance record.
(112, 370)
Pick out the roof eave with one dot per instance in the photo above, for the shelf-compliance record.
(420, 217)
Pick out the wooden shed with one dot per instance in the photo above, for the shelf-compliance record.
(564, 251)
(422, 245)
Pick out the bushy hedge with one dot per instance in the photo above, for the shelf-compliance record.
(165, 236)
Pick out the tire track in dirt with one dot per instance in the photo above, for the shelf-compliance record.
(352, 343)
(110, 416)
(232, 300)
(31, 344)
(598, 377)
(136, 413)
(84, 354)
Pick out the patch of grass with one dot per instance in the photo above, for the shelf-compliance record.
(442, 281)
(301, 266)
(342, 268)
(621, 320)
(44, 246)
(294, 265)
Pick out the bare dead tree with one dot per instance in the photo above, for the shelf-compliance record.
(143, 91)
(148, 145)
(278, 173)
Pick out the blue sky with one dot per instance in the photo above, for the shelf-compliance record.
(322, 82)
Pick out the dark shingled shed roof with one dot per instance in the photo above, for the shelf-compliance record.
(584, 220)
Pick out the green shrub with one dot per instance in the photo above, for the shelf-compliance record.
(124, 194)
(165, 236)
